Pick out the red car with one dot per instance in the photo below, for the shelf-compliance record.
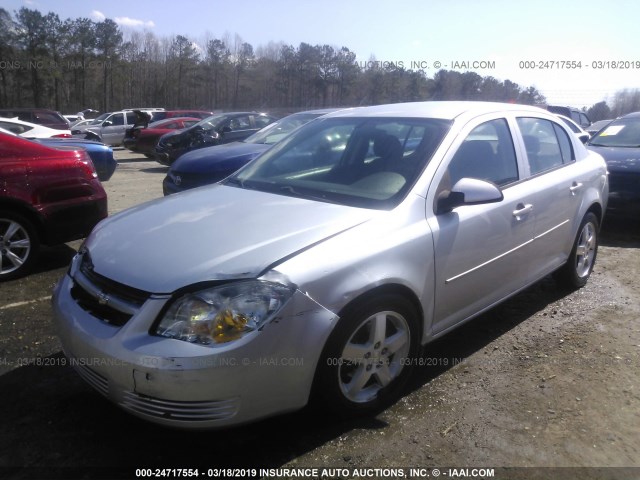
(48, 196)
(164, 114)
(143, 137)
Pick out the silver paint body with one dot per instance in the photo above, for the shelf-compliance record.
(454, 265)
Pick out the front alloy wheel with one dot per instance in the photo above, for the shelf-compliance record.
(18, 245)
(367, 360)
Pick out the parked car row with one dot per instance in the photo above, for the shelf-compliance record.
(211, 164)
(143, 136)
(214, 130)
(111, 128)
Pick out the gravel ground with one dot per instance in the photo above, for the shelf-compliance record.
(548, 379)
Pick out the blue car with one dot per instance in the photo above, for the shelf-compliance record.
(212, 164)
(101, 154)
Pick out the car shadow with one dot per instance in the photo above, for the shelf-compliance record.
(155, 170)
(620, 231)
(135, 159)
(66, 424)
(53, 258)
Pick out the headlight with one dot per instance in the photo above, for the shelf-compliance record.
(224, 313)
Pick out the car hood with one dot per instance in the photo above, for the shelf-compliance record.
(619, 159)
(210, 159)
(211, 233)
(172, 134)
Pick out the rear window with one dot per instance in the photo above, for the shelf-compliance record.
(15, 127)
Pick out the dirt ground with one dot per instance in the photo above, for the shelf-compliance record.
(548, 379)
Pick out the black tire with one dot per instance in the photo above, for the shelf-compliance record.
(19, 245)
(149, 155)
(575, 273)
(380, 363)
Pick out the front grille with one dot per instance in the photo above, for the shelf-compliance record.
(110, 301)
(97, 381)
(181, 410)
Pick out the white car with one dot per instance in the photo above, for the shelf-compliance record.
(323, 266)
(580, 132)
(32, 130)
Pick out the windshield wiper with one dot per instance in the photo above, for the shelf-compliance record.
(234, 181)
(613, 146)
(306, 195)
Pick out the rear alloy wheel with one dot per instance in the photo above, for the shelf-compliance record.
(368, 358)
(18, 245)
(576, 271)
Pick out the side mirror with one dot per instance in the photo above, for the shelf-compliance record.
(226, 129)
(468, 191)
(211, 139)
(107, 123)
(584, 137)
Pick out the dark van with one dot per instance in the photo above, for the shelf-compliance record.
(574, 114)
(39, 116)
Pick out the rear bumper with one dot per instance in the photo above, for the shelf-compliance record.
(131, 144)
(73, 219)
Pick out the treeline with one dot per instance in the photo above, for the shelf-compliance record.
(624, 101)
(79, 63)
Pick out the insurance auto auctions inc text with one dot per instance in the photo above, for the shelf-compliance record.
(374, 473)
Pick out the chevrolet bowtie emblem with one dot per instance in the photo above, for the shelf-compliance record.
(103, 298)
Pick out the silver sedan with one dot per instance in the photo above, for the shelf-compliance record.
(322, 268)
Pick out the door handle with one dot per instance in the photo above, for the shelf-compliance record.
(522, 210)
(575, 187)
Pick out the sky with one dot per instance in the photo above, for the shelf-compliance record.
(574, 53)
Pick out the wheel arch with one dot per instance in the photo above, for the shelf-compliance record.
(597, 210)
(317, 399)
(388, 289)
(26, 211)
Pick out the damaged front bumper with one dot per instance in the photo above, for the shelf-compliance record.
(176, 383)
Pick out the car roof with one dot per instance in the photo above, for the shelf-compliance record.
(442, 110)
(320, 110)
(28, 109)
(22, 122)
(631, 115)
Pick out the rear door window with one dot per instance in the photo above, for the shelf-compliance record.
(546, 143)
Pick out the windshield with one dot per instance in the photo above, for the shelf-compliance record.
(364, 162)
(211, 123)
(99, 119)
(278, 130)
(624, 132)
